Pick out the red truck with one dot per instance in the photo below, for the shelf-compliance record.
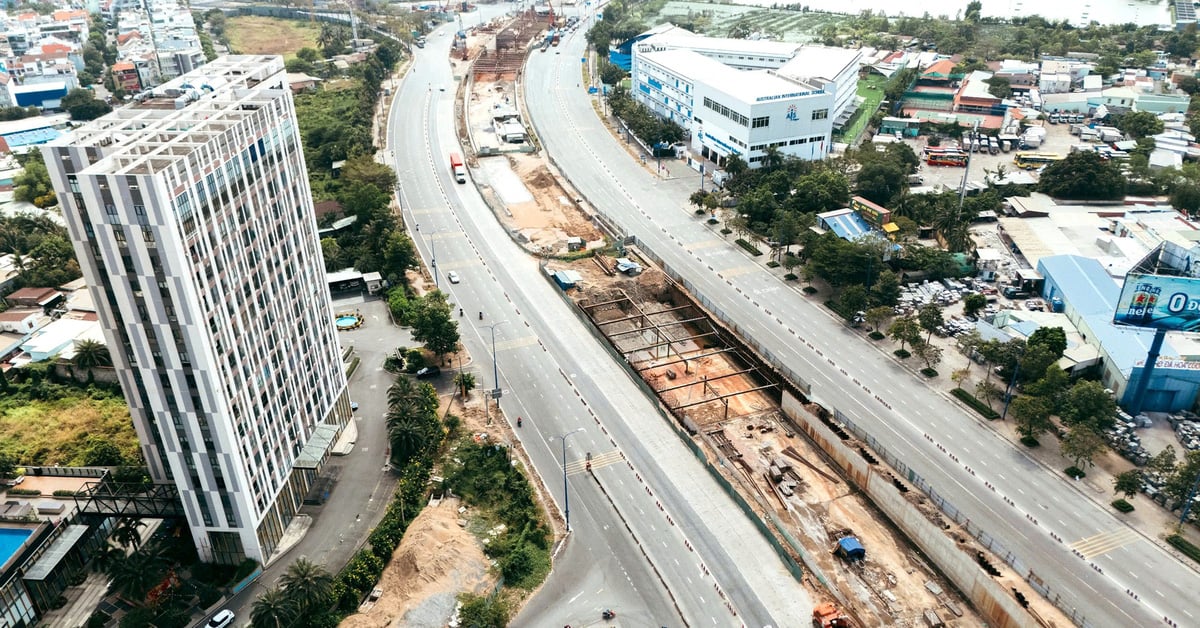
(457, 168)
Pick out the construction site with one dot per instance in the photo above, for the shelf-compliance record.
(716, 389)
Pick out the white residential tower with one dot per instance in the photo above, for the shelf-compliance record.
(192, 219)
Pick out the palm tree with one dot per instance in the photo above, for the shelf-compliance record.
(407, 436)
(91, 353)
(272, 609)
(465, 382)
(106, 557)
(307, 585)
(128, 532)
(404, 392)
(134, 575)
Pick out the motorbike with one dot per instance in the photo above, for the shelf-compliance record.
(518, 421)
(460, 311)
(608, 614)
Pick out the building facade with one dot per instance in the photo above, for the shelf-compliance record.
(193, 222)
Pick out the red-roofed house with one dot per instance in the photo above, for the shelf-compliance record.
(125, 38)
(125, 75)
(33, 297)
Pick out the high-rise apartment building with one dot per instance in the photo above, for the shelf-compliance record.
(192, 218)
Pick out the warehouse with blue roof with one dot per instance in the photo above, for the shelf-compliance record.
(1089, 296)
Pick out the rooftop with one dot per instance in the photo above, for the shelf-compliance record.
(976, 86)
(182, 114)
(681, 38)
(747, 85)
(825, 62)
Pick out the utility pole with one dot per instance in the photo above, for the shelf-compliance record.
(566, 498)
(495, 392)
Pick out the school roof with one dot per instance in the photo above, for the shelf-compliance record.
(746, 85)
(825, 62)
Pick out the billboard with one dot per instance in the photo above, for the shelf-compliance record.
(1162, 291)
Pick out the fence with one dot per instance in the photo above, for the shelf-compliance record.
(67, 472)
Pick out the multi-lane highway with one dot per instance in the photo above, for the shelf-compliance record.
(653, 536)
(1092, 563)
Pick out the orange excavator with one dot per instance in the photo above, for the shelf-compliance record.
(827, 615)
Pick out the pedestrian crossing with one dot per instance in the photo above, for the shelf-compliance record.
(598, 460)
(1104, 542)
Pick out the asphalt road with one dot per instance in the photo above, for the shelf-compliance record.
(1098, 557)
(703, 564)
(361, 495)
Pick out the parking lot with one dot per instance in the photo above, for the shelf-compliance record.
(1058, 140)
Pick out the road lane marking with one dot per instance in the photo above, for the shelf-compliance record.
(1105, 542)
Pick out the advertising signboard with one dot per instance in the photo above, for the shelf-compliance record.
(1159, 302)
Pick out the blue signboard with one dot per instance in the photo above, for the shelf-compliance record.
(1159, 302)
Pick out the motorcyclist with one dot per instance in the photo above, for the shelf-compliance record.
(481, 316)
(518, 421)
(460, 312)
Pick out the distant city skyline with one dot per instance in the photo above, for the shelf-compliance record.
(1077, 12)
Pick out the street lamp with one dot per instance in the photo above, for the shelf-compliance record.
(566, 498)
(495, 370)
(433, 254)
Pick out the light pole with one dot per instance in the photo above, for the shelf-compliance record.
(566, 497)
(495, 372)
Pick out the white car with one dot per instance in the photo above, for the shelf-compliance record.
(220, 620)
(452, 276)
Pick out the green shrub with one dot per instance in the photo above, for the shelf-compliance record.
(64, 493)
(772, 264)
(244, 569)
(76, 578)
(99, 619)
(928, 372)
(32, 492)
(750, 248)
(975, 404)
(713, 221)
(792, 277)
(1030, 442)
(875, 335)
(808, 290)
(1185, 546)
(1122, 505)
(414, 361)
(1075, 472)
(208, 594)
(726, 231)
(58, 602)
(903, 354)
(701, 212)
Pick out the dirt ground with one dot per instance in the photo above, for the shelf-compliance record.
(886, 589)
(553, 215)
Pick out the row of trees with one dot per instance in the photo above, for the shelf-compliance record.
(651, 129)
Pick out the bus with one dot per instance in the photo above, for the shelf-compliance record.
(1030, 161)
(947, 159)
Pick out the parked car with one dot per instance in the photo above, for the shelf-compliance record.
(429, 371)
(220, 620)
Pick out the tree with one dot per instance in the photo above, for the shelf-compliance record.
(407, 396)
(433, 324)
(465, 382)
(88, 355)
(1180, 482)
(1032, 415)
(904, 330)
(307, 585)
(1051, 386)
(930, 318)
(128, 532)
(987, 391)
(134, 575)
(331, 252)
(929, 353)
(407, 434)
(272, 609)
(973, 304)
(83, 105)
(880, 181)
(1185, 196)
(1083, 176)
(33, 184)
(852, 300)
(8, 464)
(102, 453)
(1139, 124)
(1128, 483)
(364, 169)
(479, 611)
(1088, 403)
(999, 86)
(877, 316)
(1081, 444)
(1164, 462)
(1053, 338)
(1034, 362)
(886, 289)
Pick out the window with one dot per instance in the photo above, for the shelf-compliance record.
(820, 114)
(726, 111)
(761, 122)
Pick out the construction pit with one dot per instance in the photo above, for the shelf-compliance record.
(720, 392)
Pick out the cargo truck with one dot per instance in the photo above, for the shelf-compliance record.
(457, 168)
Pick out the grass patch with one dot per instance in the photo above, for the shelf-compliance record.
(975, 404)
(1122, 505)
(928, 372)
(1075, 472)
(1030, 442)
(1185, 546)
(871, 91)
(62, 427)
(750, 248)
(257, 35)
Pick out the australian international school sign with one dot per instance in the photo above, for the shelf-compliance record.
(1162, 291)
